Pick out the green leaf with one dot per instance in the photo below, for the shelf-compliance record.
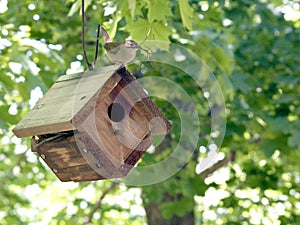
(77, 5)
(6, 118)
(161, 32)
(186, 13)
(268, 147)
(6, 82)
(139, 30)
(112, 26)
(286, 98)
(240, 82)
(280, 124)
(179, 208)
(194, 186)
(274, 142)
(158, 10)
(132, 6)
(24, 90)
(294, 139)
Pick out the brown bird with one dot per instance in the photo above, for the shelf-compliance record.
(121, 52)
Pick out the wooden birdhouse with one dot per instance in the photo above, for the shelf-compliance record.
(93, 125)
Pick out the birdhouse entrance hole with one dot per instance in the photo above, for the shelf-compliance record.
(116, 112)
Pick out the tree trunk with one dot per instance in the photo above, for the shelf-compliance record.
(153, 211)
(155, 217)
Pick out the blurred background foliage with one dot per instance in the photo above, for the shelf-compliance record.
(252, 47)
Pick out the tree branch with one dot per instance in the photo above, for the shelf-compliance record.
(209, 171)
(97, 205)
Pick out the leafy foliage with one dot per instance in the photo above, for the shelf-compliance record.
(253, 49)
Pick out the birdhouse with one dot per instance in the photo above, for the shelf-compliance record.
(93, 125)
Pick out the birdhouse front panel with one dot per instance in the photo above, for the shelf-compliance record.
(116, 124)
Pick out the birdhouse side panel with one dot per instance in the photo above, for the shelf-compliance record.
(136, 155)
(155, 121)
(75, 158)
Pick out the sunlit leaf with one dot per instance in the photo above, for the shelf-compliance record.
(77, 6)
(158, 10)
(132, 7)
(186, 13)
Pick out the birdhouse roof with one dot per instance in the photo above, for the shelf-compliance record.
(76, 94)
(55, 111)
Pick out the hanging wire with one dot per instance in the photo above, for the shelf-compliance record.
(90, 65)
